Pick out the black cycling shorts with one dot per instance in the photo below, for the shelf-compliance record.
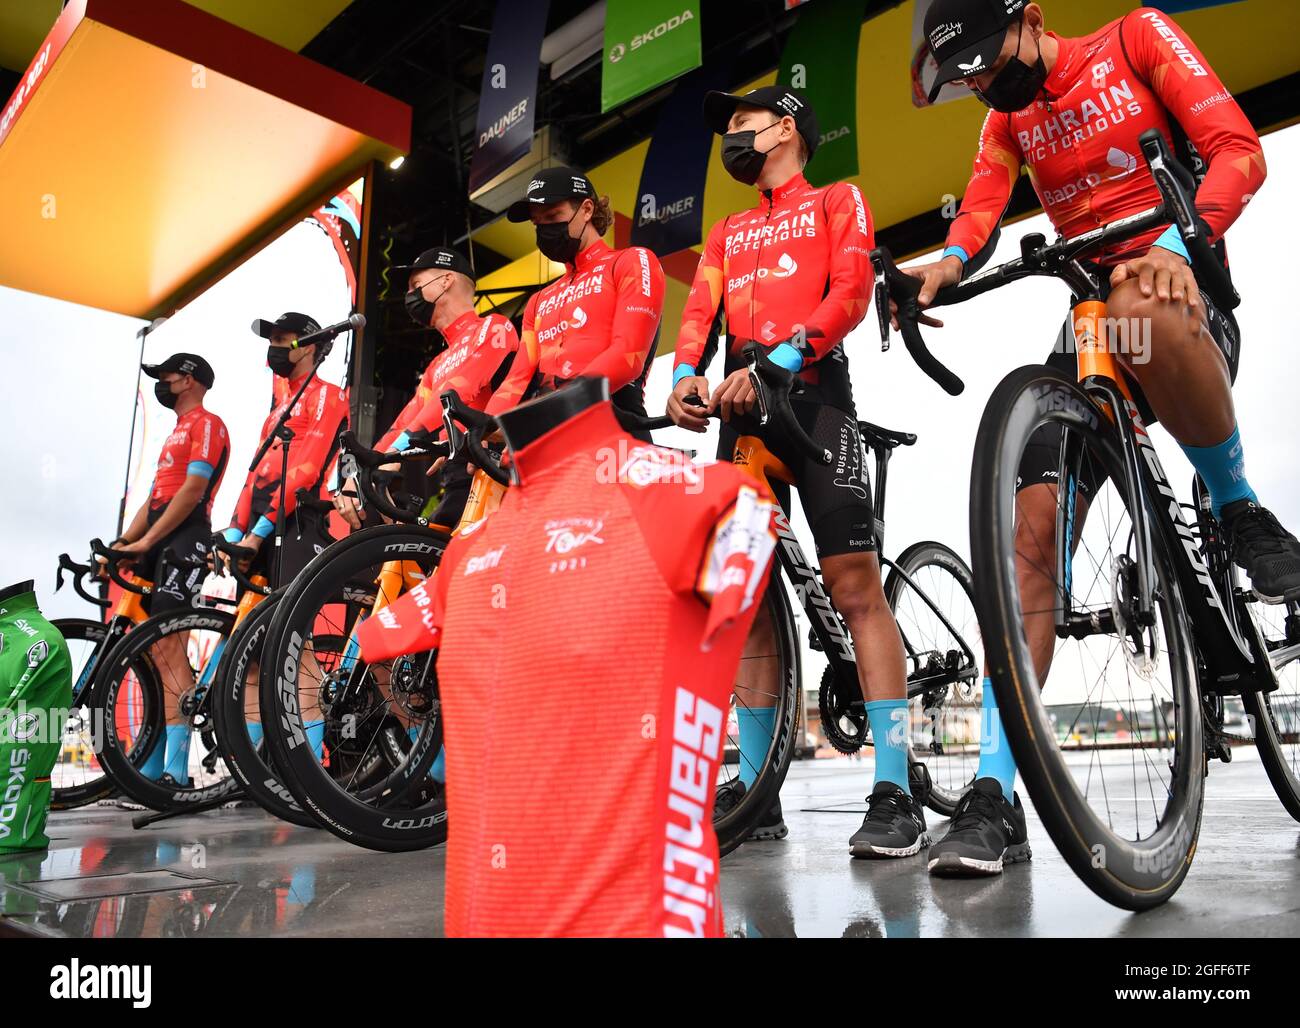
(178, 565)
(1040, 462)
(305, 535)
(835, 499)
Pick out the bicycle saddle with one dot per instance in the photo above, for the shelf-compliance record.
(884, 437)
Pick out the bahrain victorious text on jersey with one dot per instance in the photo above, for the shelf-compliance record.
(603, 540)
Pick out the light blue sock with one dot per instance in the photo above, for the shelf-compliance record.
(889, 735)
(177, 762)
(315, 732)
(438, 769)
(757, 726)
(153, 767)
(996, 760)
(1223, 469)
(254, 732)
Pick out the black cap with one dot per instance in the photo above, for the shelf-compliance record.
(441, 259)
(551, 185)
(183, 364)
(966, 36)
(290, 321)
(719, 107)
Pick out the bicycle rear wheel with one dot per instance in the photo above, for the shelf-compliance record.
(1111, 747)
(368, 781)
(77, 777)
(944, 716)
(1275, 716)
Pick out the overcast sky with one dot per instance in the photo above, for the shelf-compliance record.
(71, 373)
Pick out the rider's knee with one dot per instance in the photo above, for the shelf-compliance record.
(858, 597)
(1150, 318)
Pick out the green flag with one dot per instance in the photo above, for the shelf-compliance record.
(647, 43)
(821, 62)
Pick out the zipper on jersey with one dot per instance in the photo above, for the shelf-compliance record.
(758, 260)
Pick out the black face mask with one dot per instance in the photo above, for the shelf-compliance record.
(555, 242)
(420, 309)
(742, 161)
(163, 391)
(277, 357)
(1016, 86)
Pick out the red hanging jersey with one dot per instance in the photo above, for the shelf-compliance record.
(198, 445)
(1081, 148)
(604, 606)
(599, 320)
(477, 349)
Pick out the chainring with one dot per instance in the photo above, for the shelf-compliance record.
(836, 711)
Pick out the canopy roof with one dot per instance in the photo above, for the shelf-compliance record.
(150, 147)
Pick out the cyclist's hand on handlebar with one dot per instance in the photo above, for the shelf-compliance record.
(735, 396)
(136, 549)
(692, 417)
(1163, 274)
(933, 276)
(436, 466)
(348, 508)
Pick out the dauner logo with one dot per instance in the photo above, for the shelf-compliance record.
(690, 871)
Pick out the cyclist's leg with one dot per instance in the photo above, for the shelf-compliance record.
(1186, 371)
(178, 579)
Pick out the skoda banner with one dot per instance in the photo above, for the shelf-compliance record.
(670, 201)
(821, 61)
(507, 106)
(647, 43)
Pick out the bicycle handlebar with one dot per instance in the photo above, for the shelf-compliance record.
(773, 386)
(455, 416)
(365, 467)
(1059, 259)
(78, 572)
(111, 558)
(236, 553)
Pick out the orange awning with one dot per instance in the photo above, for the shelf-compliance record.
(150, 147)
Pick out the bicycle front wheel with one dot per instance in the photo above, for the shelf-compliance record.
(355, 740)
(1275, 716)
(1110, 747)
(77, 777)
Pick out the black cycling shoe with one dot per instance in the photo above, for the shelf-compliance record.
(771, 827)
(986, 832)
(1267, 552)
(894, 825)
(727, 797)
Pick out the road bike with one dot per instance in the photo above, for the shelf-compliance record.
(1155, 638)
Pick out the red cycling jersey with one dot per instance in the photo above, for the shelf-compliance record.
(477, 349)
(796, 268)
(315, 422)
(604, 540)
(198, 445)
(601, 319)
(1081, 145)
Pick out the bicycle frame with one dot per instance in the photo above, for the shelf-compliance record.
(1233, 659)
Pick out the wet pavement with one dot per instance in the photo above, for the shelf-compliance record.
(238, 873)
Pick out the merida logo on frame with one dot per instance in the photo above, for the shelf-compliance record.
(108, 981)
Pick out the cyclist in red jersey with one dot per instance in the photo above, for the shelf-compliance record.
(474, 362)
(316, 421)
(170, 535)
(601, 317)
(587, 564)
(794, 274)
(1072, 111)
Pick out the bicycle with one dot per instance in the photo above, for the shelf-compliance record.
(77, 778)
(1149, 593)
(385, 715)
(943, 667)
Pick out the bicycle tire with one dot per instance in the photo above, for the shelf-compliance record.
(1282, 768)
(246, 762)
(123, 766)
(69, 797)
(368, 824)
(941, 798)
(1128, 875)
(734, 827)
